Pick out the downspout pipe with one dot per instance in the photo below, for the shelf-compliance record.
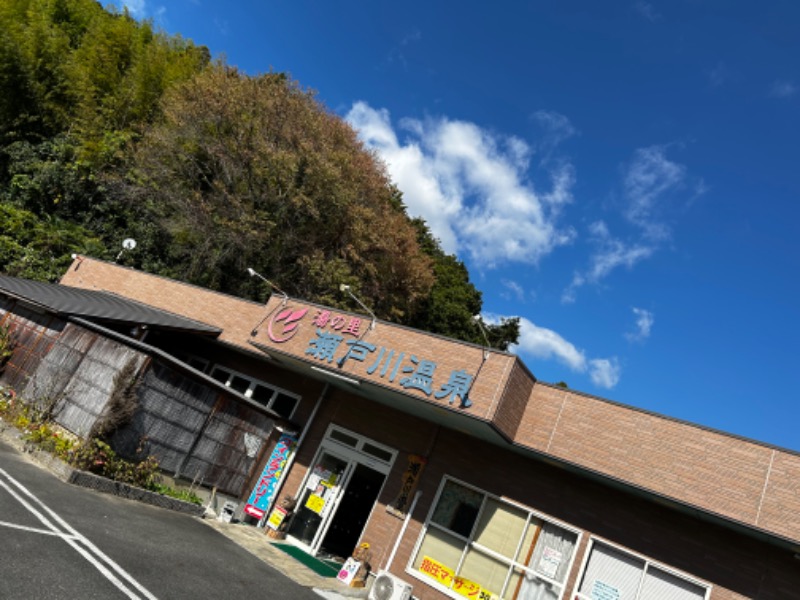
(402, 531)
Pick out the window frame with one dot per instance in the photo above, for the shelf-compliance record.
(198, 362)
(252, 383)
(648, 562)
(469, 543)
(357, 451)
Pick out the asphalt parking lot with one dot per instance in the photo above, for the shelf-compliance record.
(61, 541)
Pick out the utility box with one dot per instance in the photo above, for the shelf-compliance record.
(226, 514)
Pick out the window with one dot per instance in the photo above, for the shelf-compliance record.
(481, 546)
(370, 452)
(614, 573)
(280, 401)
(201, 364)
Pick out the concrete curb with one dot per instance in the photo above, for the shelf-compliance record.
(124, 490)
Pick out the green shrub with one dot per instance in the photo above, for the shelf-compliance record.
(99, 458)
(185, 495)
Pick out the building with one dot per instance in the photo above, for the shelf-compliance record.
(465, 474)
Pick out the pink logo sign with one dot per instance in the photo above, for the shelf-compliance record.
(289, 320)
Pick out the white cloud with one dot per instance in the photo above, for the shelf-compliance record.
(783, 89)
(222, 26)
(543, 343)
(647, 10)
(516, 289)
(649, 177)
(721, 74)
(609, 254)
(649, 181)
(556, 127)
(397, 54)
(612, 253)
(644, 325)
(413, 36)
(605, 373)
(135, 7)
(470, 186)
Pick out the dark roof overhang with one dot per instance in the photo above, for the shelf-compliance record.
(96, 305)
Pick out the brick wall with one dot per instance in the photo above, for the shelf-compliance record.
(508, 416)
(739, 479)
(735, 565)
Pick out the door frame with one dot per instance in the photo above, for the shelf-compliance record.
(354, 449)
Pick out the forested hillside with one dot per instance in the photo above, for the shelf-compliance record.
(110, 129)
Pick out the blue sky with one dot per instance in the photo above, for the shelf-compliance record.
(623, 176)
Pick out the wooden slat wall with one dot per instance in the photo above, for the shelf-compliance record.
(184, 423)
(193, 429)
(33, 335)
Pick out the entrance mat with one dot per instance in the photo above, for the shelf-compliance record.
(324, 568)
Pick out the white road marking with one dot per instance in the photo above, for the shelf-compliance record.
(35, 530)
(81, 544)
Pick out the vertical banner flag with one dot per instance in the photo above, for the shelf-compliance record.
(263, 492)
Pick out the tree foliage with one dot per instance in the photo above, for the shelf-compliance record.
(39, 247)
(110, 129)
(452, 308)
(73, 65)
(254, 172)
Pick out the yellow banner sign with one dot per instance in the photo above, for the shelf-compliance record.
(446, 576)
(436, 570)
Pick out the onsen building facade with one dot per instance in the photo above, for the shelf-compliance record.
(466, 475)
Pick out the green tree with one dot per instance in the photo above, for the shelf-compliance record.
(255, 172)
(454, 303)
(39, 248)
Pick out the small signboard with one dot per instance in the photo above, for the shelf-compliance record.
(276, 517)
(349, 570)
(549, 563)
(261, 496)
(315, 503)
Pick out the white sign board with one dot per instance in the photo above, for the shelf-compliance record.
(549, 563)
(349, 570)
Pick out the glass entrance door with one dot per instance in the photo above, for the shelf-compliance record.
(358, 497)
(339, 492)
(319, 496)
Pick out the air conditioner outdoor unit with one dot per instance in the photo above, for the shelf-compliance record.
(388, 587)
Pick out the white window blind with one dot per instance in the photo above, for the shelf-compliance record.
(611, 573)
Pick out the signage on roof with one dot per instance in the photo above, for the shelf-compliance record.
(336, 340)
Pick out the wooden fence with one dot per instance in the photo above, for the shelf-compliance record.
(193, 427)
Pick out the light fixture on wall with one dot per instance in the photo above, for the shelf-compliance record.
(479, 323)
(78, 260)
(343, 287)
(254, 273)
(127, 244)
